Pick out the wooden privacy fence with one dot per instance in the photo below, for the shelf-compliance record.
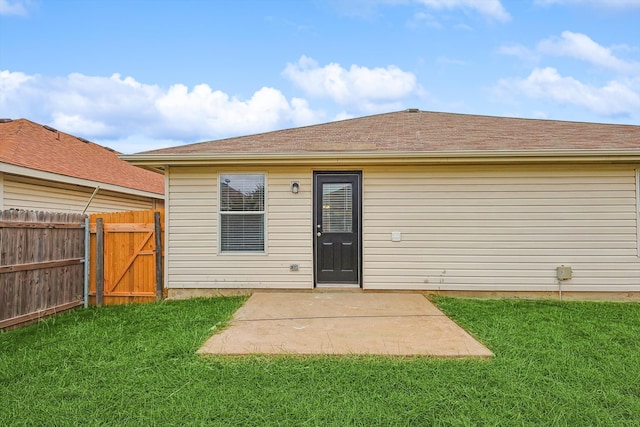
(42, 266)
(126, 257)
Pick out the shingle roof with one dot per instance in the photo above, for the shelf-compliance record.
(421, 131)
(31, 145)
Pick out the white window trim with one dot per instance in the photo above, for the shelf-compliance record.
(264, 213)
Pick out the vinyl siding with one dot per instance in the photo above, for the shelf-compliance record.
(485, 228)
(501, 228)
(193, 258)
(36, 194)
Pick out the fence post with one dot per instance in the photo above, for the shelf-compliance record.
(87, 244)
(99, 262)
(158, 237)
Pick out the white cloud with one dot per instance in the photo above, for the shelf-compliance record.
(11, 81)
(222, 114)
(13, 7)
(519, 51)
(581, 46)
(360, 86)
(613, 91)
(137, 142)
(615, 98)
(607, 4)
(368, 9)
(343, 115)
(492, 9)
(76, 124)
(114, 108)
(578, 46)
(424, 19)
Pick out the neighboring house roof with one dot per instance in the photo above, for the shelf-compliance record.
(30, 145)
(413, 134)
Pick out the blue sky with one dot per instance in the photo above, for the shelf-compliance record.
(142, 74)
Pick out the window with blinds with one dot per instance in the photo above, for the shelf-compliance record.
(242, 212)
(337, 208)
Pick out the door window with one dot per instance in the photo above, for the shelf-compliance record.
(337, 207)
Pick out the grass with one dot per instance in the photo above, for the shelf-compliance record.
(557, 363)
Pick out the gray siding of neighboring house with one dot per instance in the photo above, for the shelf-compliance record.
(19, 192)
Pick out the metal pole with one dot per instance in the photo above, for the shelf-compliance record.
(158, 236)
(99, 262)
(90, 199)
(87, 244)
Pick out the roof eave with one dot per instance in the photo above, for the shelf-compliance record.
(66, 179)
(159, 161)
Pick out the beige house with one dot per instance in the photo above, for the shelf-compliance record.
(409, 200)
(44, 169)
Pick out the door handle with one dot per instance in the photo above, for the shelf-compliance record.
(318, 234)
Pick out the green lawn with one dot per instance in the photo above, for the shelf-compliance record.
(557, 363)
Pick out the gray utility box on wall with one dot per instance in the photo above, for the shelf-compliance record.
(564, 273)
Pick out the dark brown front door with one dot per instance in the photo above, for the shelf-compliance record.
(337, 227)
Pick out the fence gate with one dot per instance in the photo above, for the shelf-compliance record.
(126, 257)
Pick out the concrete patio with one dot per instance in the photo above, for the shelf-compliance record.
(343, 323)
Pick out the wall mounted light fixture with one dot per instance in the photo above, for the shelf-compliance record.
(295, 187)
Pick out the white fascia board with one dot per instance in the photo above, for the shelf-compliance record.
(369, 157)
(50, 176)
